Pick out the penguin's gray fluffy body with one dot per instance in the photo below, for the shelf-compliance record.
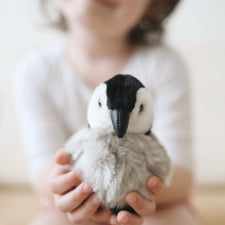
(115, 166)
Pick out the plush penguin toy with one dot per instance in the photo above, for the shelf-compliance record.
(117, 152)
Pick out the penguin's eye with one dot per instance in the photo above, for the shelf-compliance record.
(141, 108)
(99, 103)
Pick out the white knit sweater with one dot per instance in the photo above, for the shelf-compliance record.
(52, 100)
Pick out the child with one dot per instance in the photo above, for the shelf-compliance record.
(52, 89)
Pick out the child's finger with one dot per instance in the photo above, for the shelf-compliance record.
(85, 211)
(73, 199)
(141, 206)
(125, 217)
(154, 184)
(62, 157)
(59, 170)
(113, 220)
(63, 183)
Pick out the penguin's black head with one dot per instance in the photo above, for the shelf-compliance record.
(121, 103)
(121, 92)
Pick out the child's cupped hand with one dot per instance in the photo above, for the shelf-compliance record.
(72, 196)
(143, 207)
(81, 204)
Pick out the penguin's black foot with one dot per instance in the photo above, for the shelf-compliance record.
(116, 210)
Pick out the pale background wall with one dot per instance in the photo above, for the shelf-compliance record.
(196, 30)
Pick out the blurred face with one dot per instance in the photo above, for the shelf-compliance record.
(104, 17)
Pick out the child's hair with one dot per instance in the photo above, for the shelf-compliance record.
(148, 30)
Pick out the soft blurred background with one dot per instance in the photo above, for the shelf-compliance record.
(196, 31)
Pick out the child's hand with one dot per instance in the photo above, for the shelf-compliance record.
(142, 206)
(80, 203)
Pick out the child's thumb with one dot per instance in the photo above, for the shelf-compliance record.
(62, 157)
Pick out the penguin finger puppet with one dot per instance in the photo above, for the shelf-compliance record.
(117, 152)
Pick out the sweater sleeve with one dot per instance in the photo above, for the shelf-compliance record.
(42, 130)
(169, 82)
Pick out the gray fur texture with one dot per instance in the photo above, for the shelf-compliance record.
(115, 166)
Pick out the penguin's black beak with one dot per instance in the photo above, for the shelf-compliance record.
(120, 120)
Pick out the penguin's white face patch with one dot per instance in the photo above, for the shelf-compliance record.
(98, 114)
(141, 117)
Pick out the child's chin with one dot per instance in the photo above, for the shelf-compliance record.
(93, 24)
